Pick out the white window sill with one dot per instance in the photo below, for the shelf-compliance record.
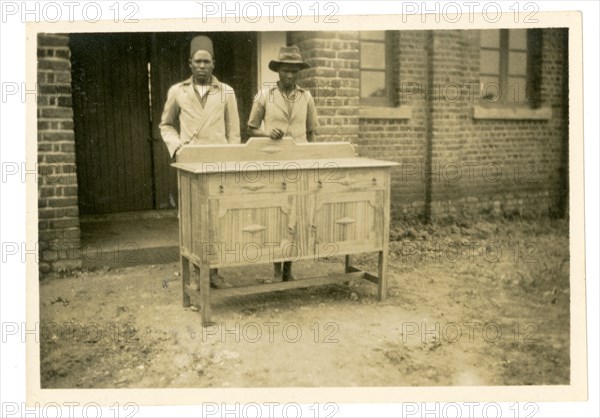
(382, 112)
(512, 113)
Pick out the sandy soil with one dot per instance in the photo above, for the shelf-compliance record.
(468, 304)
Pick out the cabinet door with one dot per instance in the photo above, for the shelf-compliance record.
(252, 229)
(346, 223)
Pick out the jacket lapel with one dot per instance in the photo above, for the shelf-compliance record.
(203, 112)
(297, 100)
(212, 105)
(193, 97)
(280, 102)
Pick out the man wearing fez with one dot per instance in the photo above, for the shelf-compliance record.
(286, 110)
(200, 110)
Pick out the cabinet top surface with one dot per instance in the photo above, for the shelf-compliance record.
(260, 154)
(284, 165)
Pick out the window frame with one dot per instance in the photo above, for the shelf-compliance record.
(389, 100)
(530, 98)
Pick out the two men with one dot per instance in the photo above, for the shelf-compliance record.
(205, 111)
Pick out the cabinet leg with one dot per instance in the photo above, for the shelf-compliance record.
(204, 283)
(185, 280)
(277, 272)
(382, 275)
(348, 264)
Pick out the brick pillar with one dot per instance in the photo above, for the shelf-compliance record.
(333, 80)
(59, 239)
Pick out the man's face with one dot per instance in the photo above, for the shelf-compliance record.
(288, 74)
(202, 66)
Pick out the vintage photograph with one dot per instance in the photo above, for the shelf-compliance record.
(304, 208)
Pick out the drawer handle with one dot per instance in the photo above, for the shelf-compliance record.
(221, 188)
(374, 181)
(313, 228)
(290, 230)
(284, 185)
(320, 184)
(253, 188)
(347, 181)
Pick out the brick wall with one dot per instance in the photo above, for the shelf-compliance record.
(479, 166)
(493, 166)
(333, 81)
(59, 240)
(403, 140)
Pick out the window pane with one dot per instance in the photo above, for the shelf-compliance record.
(372, 84)
(372, 55)
(490, 88)
(517, 39)
(489, 62)
(490, 38)
(374, 35)
(516, 89)
(517, 63)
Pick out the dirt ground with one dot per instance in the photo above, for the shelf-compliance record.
(480, 303)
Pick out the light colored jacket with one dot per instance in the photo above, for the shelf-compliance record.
(270, 106)
(185, 121)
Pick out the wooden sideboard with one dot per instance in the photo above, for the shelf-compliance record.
(268, 201)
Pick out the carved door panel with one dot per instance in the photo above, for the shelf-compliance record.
(255, 229)
(347, 222)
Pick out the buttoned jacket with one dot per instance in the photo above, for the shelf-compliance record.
(186, 121)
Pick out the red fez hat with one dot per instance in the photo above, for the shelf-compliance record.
(201, 43)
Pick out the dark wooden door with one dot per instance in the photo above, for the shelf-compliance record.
(112, 122)
(120, 85)
(168, 65)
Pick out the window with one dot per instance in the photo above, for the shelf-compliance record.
(509, 61)
(376, 68)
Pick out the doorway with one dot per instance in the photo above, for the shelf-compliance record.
(120, 83)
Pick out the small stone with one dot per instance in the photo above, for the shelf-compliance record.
(229, 355)
(194, 308)
(353, 296)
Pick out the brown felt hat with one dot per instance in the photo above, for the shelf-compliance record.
(288, 55)
(201, 43)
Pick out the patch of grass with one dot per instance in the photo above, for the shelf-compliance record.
(535, 364)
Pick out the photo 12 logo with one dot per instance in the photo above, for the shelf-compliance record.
(268, 11)
(69, 409)
(460, 12)
(267, 332)
(69, 11)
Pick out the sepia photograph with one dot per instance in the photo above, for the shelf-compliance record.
(365, 204)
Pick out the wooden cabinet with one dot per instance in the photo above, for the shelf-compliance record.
(269, 201)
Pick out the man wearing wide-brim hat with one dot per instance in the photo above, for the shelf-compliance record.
(286, 110)
(200, 110)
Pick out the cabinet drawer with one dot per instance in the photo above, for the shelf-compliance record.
(334, 180)
(245, 183)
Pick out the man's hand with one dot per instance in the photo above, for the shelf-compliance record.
(276, 134)
(177, 151)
